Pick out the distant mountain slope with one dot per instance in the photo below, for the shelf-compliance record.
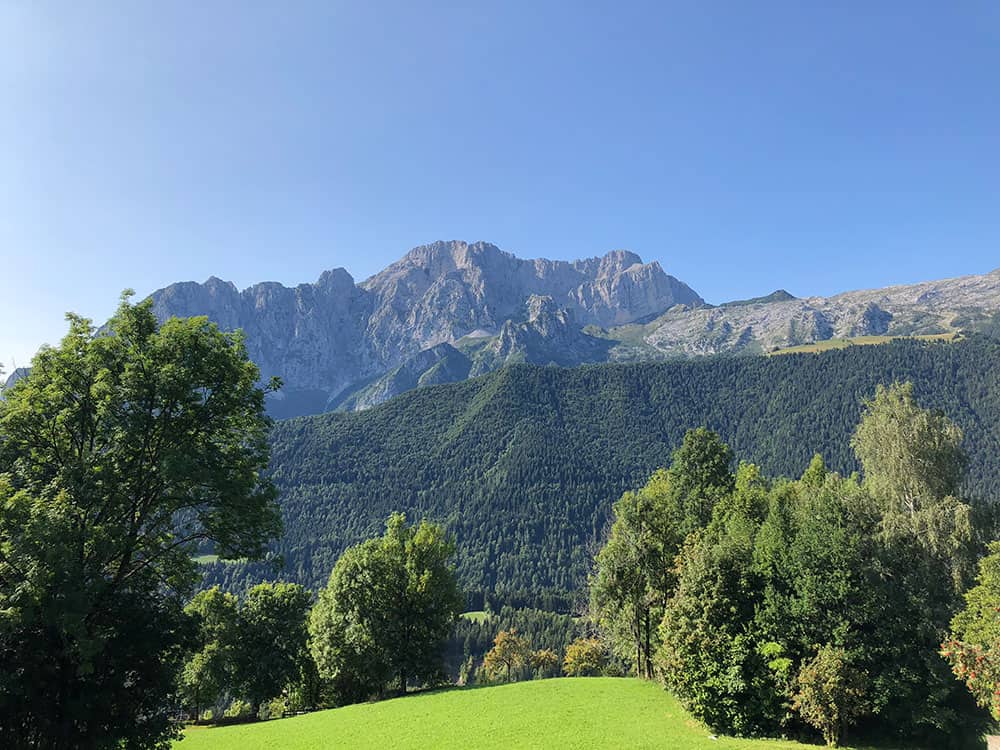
(329, 339)
(524, 463)
(17, 374)
(965, 303)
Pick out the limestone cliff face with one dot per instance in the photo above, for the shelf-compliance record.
(443, 291)
(326, 340)
(930, 307)
(312, 335)
(449, 310)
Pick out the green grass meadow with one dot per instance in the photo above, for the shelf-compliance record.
(830, 344)
(584, 712)
(477, 616)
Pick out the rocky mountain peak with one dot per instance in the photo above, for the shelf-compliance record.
(336, 279)
(618, 261)
(541, 305)
(325, 338)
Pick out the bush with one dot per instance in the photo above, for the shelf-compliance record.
(238, 709)
(273, 709)
(832, 694)
(585, 657)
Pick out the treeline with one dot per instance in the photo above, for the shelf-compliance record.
(816, 605)
(472, 638)
(522, 465)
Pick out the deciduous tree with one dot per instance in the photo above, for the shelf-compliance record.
(121, 450)
(831, 694)
(585, 657)
(510, 652)
(209, 671)
(272, 640)
(387, 610)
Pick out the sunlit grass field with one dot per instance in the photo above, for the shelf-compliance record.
(597, 712)
(829, 344)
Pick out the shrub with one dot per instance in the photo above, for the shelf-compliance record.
(238, 709)
(273, 709)
(585, 657)
(832, 694)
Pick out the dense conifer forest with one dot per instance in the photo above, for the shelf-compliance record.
(523, 465)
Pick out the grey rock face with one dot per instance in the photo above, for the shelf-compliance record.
(442, 363)
(549, 336)
(441, 292)
(926, 308)
(449, 310)
(17, 374)
(334, 337)
(312, 335)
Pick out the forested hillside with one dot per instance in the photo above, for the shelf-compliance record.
(523, 464)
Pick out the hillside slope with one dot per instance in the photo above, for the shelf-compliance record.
(523, 464)
(584, 712)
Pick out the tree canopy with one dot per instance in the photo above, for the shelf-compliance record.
(123, 450)
(817, 603)
(387, 610)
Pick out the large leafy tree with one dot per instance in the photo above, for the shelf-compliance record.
(510, 652)
(208, 672)
(387, 610)
(272, 637)
(123, 450)
(910, 456)
(633, 576)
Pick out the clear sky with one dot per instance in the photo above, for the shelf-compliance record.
(813, 146)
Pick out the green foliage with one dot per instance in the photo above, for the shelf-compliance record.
(585, 657)
(973, 646)
(239, 709)
(272, 640)
(831, 695)
(255, 650)
(633, 575)
(523, 465)
(783, 568)
(908, 454)
(208, 673)
(119, 453)
(708, 659)
(600, 712)
(700, 473)
(386, 612)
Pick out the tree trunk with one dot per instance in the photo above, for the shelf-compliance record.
(649, 659)
(638, 642)
(402, 682)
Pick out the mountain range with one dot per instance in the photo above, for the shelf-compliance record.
(441, 313)
(452, 310)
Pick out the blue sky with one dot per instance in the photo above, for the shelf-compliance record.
(746, 146)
